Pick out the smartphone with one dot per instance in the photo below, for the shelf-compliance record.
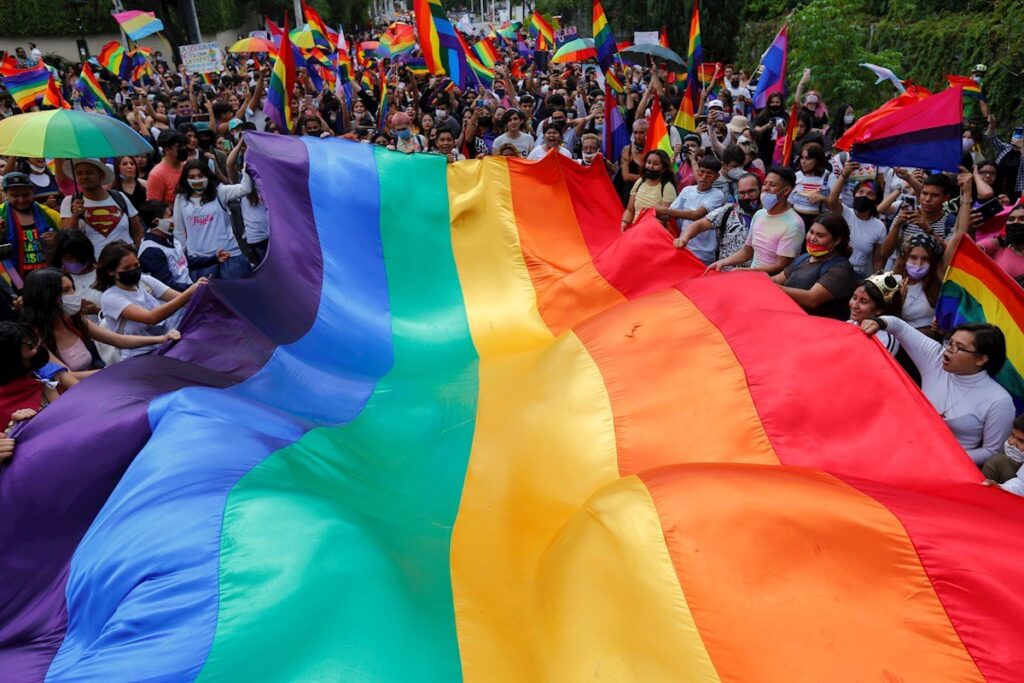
(909, 202)
(989, 208)
(1018, 132)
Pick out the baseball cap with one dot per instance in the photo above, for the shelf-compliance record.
(15, 179)
(234, 123)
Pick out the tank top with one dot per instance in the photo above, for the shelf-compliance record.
(76, 356)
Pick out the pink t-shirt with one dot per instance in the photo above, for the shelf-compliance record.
(775, 236)
(162, 184)
(1005, 258)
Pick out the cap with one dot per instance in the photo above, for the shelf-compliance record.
(234, 123)
(887, 283)
(738, 124)
(715, 103)
(15, 179)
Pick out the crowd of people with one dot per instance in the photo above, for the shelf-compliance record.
(103, 254)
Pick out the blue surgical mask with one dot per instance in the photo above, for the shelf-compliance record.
(403, 134)
(769, 201)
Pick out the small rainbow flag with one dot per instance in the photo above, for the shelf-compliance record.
(542, 30)
(442, 48)
(787, 144)
(483, 74)
(398, 39)
(663, 37)
(25, 85)
(487, 53)
(604, 40)
(317, 27)
(971, 87)
(92, 92)
(278, 105)
(976, 290)
(686, 116)
(657, 131)
(138, 25)
(113, 58)
(417, 67)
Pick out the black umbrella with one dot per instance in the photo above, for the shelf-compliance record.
(640, 54)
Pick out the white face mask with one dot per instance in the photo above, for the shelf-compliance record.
(440, 114)
(968, 145)
(198, 185)
(1012, 452)
(71, 303)
(165, 225)
(736, 173)
(37, 169)
(588, 158)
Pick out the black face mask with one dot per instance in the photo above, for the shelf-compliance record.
(735, 82)
(863, 205)
(485, 122)
(182, 154)
(41, 358)
(130, 277)
(749, 205)
(651, 174)
(1015, 234)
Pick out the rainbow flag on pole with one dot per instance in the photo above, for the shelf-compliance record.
(657, 131)
(114, 59)
(604, 40)
(91, 90)
(398, 39)
(486, 52)
(25, 85)
(542, 30)
(137, 25)
(321, 34)
(686, 115)
(442, 48)
(976, 290)
(282, 82)
(455, 449)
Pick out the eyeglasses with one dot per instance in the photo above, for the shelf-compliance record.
(956, 347)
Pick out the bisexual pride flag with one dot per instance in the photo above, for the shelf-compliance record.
(503, 441)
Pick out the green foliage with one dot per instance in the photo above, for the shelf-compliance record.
(828, 38)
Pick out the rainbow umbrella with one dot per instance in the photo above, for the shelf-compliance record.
(578, 50)
(253, 44)
(68, 134)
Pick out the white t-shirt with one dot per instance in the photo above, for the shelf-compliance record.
(524, 142)
(104, 222)
(775, 236)
(254, 217)
(864, 235)
(705, 245)
(807, 185)
(540, 151)
(146, 295)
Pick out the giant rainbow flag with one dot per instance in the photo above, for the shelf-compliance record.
(500, 442)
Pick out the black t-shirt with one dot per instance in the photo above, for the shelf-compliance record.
(834, 274)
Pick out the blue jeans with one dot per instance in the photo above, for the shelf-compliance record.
(235, 268)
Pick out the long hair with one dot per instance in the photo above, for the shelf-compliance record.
(839, 229)
(667, 174)
(106, 265)
(932, 281)
(185, 190)
(41, 309)
(118, 182)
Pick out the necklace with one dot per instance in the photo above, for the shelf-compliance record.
(947, 408)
